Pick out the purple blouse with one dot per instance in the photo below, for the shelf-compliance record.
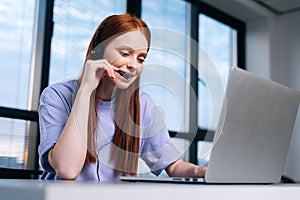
(156, 148)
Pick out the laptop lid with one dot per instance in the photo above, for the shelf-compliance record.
(254, 130)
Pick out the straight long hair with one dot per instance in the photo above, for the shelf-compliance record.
(126, 139)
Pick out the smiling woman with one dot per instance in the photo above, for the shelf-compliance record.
(103, 118)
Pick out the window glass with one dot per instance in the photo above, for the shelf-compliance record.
(217, 53)
(165, 67)
(17, 147)
(16, 40)
(204, 151)
(74, 24)
(16, 22)
(164, 76)
(12, 143)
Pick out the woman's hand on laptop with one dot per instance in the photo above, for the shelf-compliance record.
(201, 170)
(181, 168)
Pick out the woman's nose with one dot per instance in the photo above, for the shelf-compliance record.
(132, 62)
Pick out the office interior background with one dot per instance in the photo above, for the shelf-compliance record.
(44, 42)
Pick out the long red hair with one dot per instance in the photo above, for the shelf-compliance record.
(126, 139)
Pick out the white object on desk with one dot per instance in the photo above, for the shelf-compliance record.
(68, 190)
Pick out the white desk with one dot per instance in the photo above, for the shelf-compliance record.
(39, 190)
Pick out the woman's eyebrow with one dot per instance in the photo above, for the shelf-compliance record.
(131, 49)
(143, 54)
(125, 47)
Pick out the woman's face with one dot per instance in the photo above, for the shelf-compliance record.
(127, 52)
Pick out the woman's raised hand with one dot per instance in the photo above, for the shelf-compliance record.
(94, 71)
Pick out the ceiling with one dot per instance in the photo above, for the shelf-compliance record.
(280, 6)
(241, 9)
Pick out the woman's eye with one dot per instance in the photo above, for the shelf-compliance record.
(141, 60)
(124, 53)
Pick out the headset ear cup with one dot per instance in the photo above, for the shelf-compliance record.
(96, 53)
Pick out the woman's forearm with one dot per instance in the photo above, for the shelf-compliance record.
(68, 155)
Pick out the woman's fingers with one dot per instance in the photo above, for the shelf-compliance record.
(95, 70)
(201, 170)
(103, 67)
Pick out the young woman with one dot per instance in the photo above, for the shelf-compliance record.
(96, 127)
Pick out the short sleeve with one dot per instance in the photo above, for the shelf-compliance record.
(157, 149)
(54, 109)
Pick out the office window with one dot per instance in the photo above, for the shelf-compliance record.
(14, 144)
(218, 40)
(74, 24)
(164, 76)
(17, 22)
(217, 54)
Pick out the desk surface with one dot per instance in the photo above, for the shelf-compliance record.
(69, 190)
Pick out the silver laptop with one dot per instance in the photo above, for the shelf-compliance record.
(253, 135)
